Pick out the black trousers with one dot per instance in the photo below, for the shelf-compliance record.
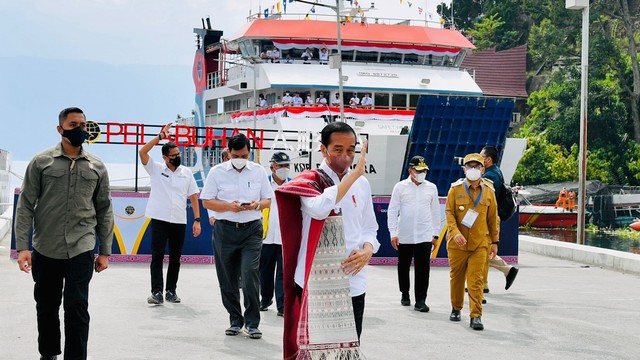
(420, 254)
(358, 308)
(270, 265)
(161, 233)
(237, 254)
(56, 279)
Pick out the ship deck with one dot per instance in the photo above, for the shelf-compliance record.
(560, 308)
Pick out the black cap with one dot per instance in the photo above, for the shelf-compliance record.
(280, 158)
(417, 163)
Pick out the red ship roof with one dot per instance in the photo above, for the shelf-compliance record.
(500, 73)
(356, 32)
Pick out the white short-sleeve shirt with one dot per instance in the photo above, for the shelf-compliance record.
(225, 183)
(169, 192)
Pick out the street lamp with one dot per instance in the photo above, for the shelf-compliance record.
(249, 54)
(339, 55)
(584, 64)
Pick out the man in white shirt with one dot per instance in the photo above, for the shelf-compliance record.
(321, 100)
(307, 56)
(413, 219)
(320, 196)
(323, 56)
(271, 256)
(275, 55)
(336, 100)
(354, 101)
(309, 101)
(236, 191)
(366, 102)
(262, 102)
(171, 185)
(297, 100)
(287, 100)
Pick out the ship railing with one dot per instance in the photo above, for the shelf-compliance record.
(433, 22)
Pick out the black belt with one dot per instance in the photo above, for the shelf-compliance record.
(238, 224)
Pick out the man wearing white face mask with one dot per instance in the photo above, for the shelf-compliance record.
(271, 257)
(472, 232)
(236, 191)
(413, 219)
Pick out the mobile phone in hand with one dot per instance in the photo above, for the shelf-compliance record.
(245, 204)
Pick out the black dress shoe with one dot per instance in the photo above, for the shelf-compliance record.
(421, 306)
(513, 272)
(264, 307)
(455, 315)
(405, 300)
(476, 323)
(484, 301)
(53, 357)
(485, 290)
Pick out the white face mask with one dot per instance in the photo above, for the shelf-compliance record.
(473, 174)
(419, 177)
(282, 173)
(239, 163)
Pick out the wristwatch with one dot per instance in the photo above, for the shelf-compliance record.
(197, 219)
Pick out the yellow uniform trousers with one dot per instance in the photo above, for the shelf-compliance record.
(467, 266)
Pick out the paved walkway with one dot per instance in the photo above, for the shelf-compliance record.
(556, 309)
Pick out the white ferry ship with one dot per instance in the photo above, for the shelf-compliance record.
(422, 101)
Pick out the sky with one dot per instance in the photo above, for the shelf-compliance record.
(118, 60)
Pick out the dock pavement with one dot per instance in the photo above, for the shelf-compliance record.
(556, 309)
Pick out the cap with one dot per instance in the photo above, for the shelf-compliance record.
(417, 163)
(280, 158)
(473, 157)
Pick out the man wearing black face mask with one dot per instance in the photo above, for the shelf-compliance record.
(65, 198)
(171, 185)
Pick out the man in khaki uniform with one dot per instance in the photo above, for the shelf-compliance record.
(472, 231)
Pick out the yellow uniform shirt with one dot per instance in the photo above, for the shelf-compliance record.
(485, 229)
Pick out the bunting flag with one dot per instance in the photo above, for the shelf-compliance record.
(307, 17)
(420, 10)
(356, 3)
(313, 9)
(266, 13)
(284, 3)
(401, 1)
(279, 6)
(410, 3)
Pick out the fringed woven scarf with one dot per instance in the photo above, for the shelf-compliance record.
(321, 324)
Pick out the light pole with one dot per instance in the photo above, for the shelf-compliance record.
(582, 163)
(339, 43)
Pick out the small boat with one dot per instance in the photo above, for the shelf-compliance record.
(544, 215)
(635, 225)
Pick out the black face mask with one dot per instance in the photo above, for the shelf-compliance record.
(76, 136)
(175, 161)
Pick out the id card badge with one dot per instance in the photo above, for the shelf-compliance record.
(469, 218)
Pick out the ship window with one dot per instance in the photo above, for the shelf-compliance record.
(413, 100)
(411, 59)
(392, 58)
(381, 100)
(347, 55)
(367, 56)
(399, 101)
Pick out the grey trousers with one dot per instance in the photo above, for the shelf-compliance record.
(237, 254)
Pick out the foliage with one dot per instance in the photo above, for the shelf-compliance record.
(486, 33)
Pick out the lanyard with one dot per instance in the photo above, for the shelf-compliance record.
(476, 201)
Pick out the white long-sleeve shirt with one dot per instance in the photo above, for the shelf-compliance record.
(273, 235)
(358, 218)
(414, 212)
